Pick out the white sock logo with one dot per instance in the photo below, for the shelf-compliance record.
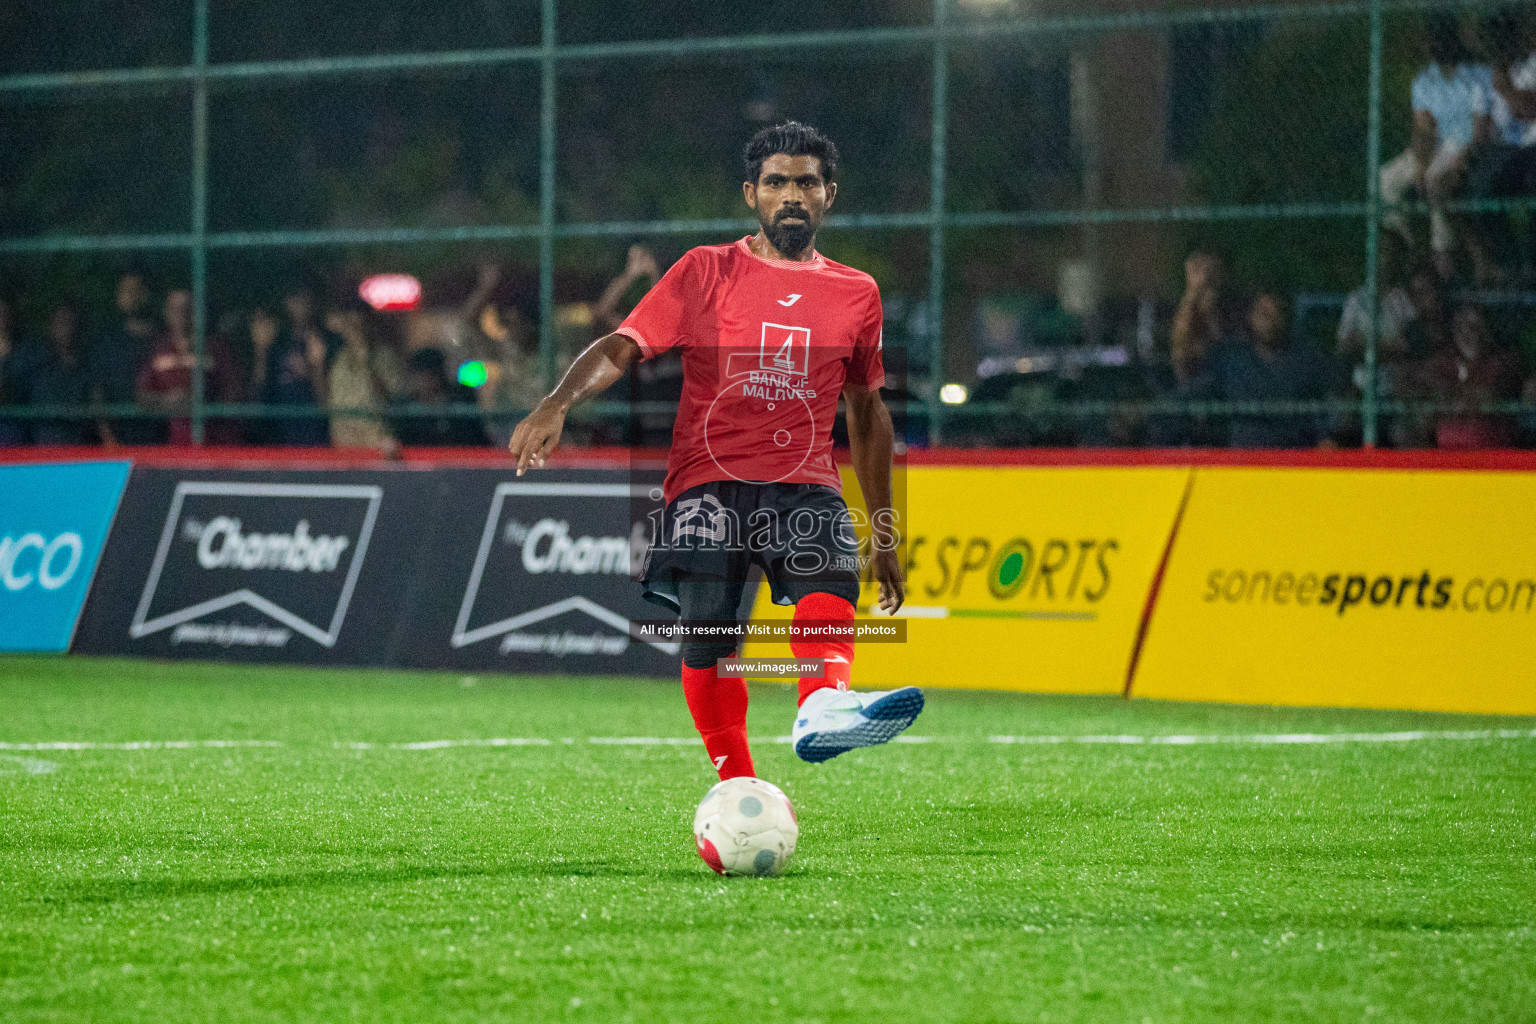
(719, 761)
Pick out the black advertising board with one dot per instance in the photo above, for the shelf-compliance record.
(537, 575)
(256, 566)
(445, 568)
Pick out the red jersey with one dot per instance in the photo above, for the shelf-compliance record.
(767, 348)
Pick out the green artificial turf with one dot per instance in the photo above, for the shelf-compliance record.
(954, 880)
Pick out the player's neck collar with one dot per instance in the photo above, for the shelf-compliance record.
(810, 264)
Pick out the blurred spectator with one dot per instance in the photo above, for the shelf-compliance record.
(1199, 323)
(508, 342)
(454, 330)
(1430, 329)
(613, 306)
(1265, 367)
(1394, 310)
(364, 376)
(117, 358)
(1396, 362)
(165, 381)
(1506, 167)
(1202, 319)
(62, 379)
(1512, 76)
(16, 366)
(1451, 118)
(653, 380)
(290, 366)
(1469, 372)
(427, 385)
(1427, 333)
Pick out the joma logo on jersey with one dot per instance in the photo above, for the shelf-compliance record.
(785, 349)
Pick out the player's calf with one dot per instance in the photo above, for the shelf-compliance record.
(719, 709)
(836, 655)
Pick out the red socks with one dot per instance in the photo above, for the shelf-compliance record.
(837, 654)
(719, 708)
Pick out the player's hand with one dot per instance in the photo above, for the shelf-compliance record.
(537, 436)
(886, 568)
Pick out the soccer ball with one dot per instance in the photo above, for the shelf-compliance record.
(746, 826)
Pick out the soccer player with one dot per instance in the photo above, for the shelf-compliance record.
(771, 334)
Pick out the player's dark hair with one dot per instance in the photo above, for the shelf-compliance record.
(791, 139)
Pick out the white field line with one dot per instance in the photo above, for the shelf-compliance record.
(647, 741)
(499, 741)
(139, 745)
(1282, 738)
(1128, 739)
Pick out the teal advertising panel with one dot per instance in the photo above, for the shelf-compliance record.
(53, 525)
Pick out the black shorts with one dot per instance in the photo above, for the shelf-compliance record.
(801, 535)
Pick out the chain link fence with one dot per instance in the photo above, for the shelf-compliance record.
(1028, 185)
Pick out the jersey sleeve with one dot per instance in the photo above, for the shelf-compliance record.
(865, 370)
(662, 319)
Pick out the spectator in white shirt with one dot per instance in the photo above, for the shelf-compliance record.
(1451, 105)
(1513, 81)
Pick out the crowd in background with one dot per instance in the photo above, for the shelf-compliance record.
(344, 375)
(1430, 352)
(341, 373)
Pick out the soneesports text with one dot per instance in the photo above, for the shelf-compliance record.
(1341, 592)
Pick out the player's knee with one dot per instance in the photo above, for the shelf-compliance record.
(701, 654)
(831, 599)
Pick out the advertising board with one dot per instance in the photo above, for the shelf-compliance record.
(452, 568)
(258, 566)
(1018, 578)
(538, 575)
(54, 521)
(1380, 588)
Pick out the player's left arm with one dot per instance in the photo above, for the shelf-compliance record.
(872, 441)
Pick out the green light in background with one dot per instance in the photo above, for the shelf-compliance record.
(472, 374)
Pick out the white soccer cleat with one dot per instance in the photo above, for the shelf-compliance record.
(832, 721)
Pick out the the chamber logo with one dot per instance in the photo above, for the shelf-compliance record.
(222, 545)
(291, 553)
(550, 550)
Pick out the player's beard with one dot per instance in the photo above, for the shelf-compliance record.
(790, 238)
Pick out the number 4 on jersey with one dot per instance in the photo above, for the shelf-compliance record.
(785, 349)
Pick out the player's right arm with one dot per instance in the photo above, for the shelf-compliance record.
(596, 369)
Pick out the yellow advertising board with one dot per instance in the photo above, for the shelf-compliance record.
(1350, 588)
(1018, 578)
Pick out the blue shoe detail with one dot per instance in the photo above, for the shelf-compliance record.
(884, 720)
(906, 702)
